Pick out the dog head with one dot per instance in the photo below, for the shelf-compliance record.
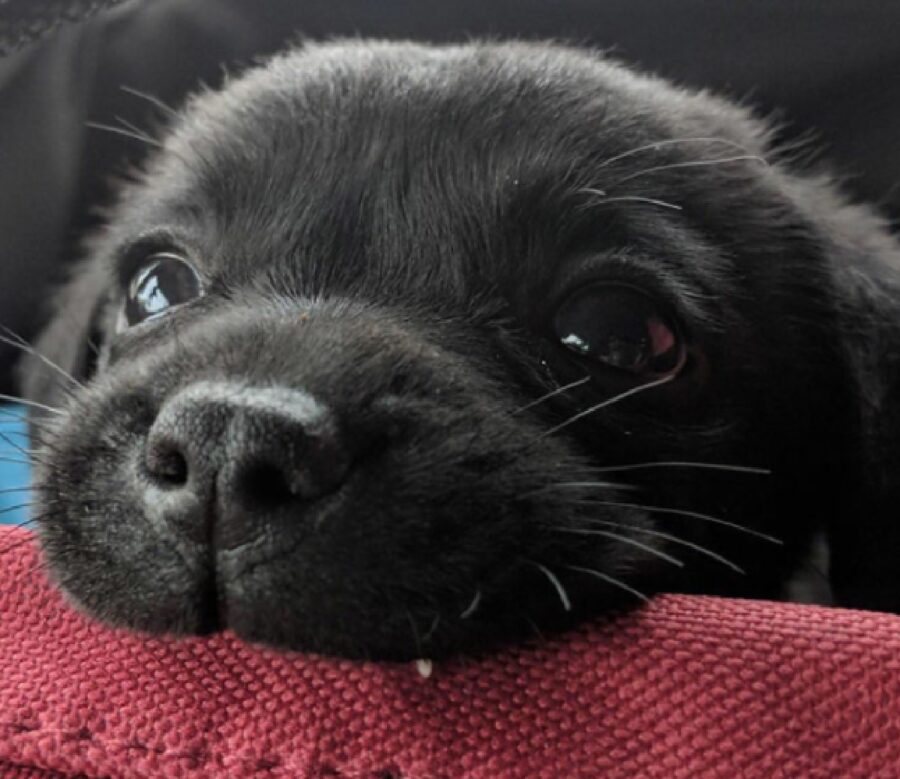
(406, 350)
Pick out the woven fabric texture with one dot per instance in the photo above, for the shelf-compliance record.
(8, 771)
(687, 687)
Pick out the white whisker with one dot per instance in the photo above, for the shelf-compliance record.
(656, 145)
(690, 164)
(152, 99)
(16, 341)
(628, 198)
(683, 464)
(125, 133)
(606, 403)
(624, 539)
(612, 485)
(693, 515)
(471, 608)
(610, 580)
(137, 131)
(554, 393)
(557, 584)
(31, 403)
(674, 540)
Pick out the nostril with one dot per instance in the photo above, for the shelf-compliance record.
(263, 485)
(167, 465)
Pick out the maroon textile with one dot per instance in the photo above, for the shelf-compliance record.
(687, 687)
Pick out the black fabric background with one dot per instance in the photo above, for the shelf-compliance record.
(830, 66)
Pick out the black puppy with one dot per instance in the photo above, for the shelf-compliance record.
(407, 350)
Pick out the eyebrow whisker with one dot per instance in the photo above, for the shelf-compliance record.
(656, 145)
(628, 198)
(690, 164)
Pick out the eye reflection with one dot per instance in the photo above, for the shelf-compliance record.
(152, 299)
(166, 281)
(620, 327)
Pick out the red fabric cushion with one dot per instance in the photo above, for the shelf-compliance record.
(687, 687)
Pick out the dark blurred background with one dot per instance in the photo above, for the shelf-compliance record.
(830, 67)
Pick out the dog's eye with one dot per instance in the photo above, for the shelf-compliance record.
(620, 327)
(165, 280)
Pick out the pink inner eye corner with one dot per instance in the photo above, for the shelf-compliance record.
(662, 339)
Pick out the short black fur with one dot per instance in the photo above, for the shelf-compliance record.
(389, 227)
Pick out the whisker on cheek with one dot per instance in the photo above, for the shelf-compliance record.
(683, 464)
(581, 485)
(610, 580)
(472, 607)
(623, 539)
(151, 99)
(417, 641)
(691, 514)
(432, 628)
(31, 403)
(554, 393)
(16, 341)
(557, 585)
(606, 404)
(671, 538)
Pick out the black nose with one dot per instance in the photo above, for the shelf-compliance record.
(234, 456)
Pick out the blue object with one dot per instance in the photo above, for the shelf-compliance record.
(14, 470)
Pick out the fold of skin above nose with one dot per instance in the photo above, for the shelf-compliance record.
(233, 454)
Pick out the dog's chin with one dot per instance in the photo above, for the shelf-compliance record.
(255, 613)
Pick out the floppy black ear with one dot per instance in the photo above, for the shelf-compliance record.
(865, 544)
(864, 538)
(70, 340)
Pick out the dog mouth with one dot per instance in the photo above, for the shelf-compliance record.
(212, 607)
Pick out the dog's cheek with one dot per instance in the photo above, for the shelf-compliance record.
(100, 547)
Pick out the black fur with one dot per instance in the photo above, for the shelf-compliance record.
(390, 227)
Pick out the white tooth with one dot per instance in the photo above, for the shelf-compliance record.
(424, 667)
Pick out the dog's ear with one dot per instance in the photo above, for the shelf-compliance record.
(68, 347)
(840, 264)
(864, 536)
(865, 543)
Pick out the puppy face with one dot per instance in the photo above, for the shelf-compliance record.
(407, 350)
